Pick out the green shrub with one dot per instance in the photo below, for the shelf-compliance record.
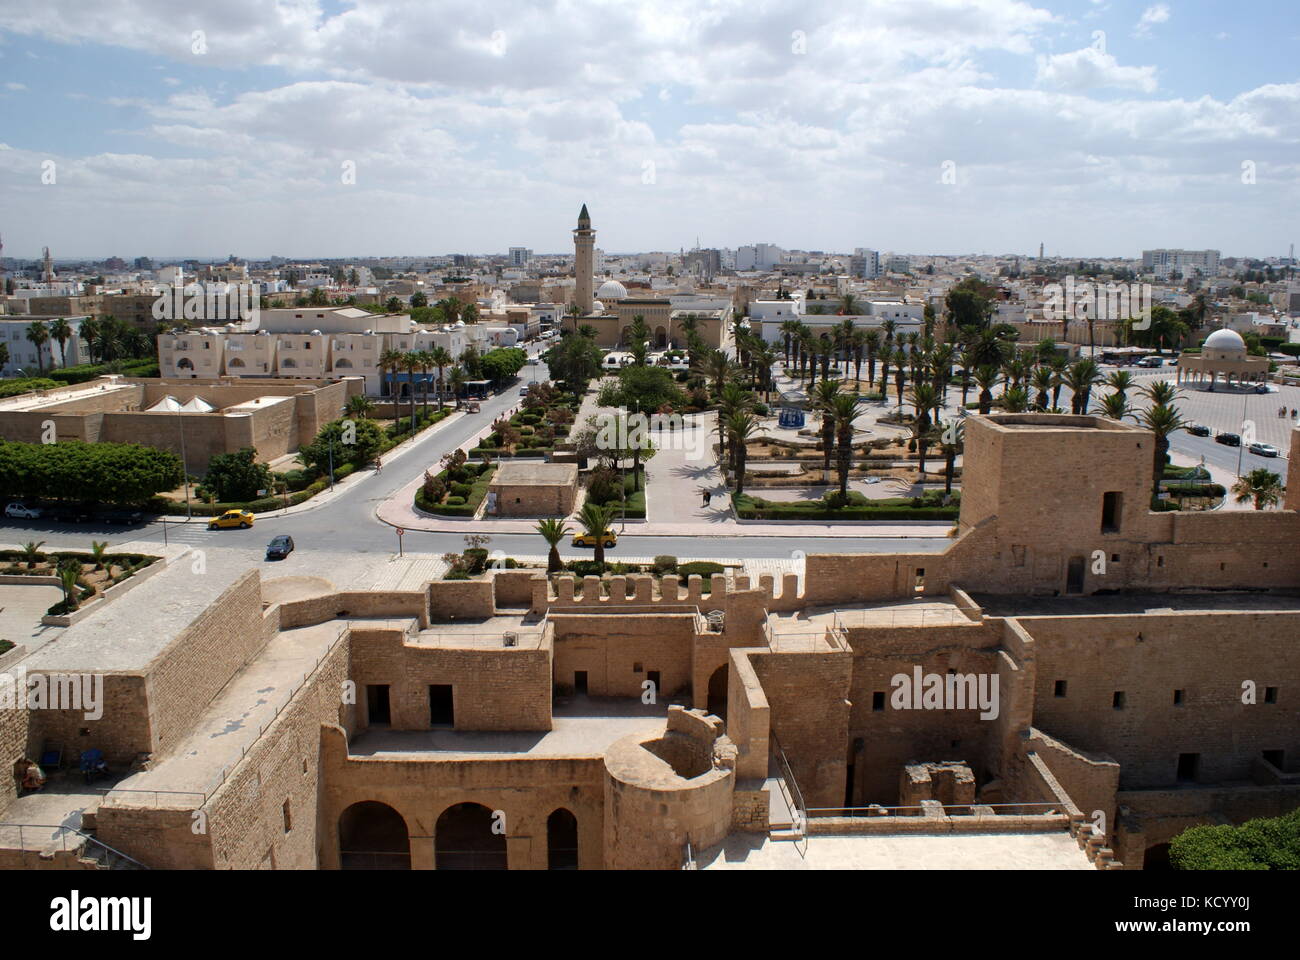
(461, 490)
(454, 501)
(1263, 844)
(665, 564)
(704, 568)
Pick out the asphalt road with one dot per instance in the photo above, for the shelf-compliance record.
(349, 520)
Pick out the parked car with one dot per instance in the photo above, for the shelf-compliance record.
(20, 511)
(123, 516)
(72, 513)
(1199, 430)
(1265, 388)
(609, 539)
(232, 518)
(1228, 439)
(1264, 450)
(279, 547)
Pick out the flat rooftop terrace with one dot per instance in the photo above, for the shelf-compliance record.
(487, 633)
(1121, 604)
(582, 727)
(1000, 851)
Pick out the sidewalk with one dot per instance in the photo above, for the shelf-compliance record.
(354, 479)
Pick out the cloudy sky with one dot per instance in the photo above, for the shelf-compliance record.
(338, 128)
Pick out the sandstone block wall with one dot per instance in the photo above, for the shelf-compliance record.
(619, 651)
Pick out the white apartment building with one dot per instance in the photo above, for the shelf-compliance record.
(1166, 263)
(758, 256)
(865, 263)
(520, 256)
(24, 355)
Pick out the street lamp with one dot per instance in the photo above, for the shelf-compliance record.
(185, 470)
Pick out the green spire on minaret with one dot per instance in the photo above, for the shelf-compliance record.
(584, 219)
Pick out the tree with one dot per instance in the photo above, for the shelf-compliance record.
(69, 575)
(823, 401)
(440, 358)
(924, 398)
(98, 548)
(31, 551)
(117, 473)
(456, 381)
(360, 405)
(971, 303)
(61, 333)
(843, 411)
(1162, 420)
(237, 477)
(1113, 406)
(357, 442)
(39, 335)
(741, 427)
(595, 520)
(1082, 376)
(390, 361)
(1262, 487)
(1261, 844)
(646, 389)
(986, 378)
(553, 531)
(419, 299)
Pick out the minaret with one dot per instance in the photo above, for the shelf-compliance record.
(584, 244)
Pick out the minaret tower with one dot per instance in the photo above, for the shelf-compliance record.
(584, 245)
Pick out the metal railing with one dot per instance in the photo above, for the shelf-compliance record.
(793, 796)
(86, 846)
(688, 857)
(157, 795)
(949, 810)
(901, 617)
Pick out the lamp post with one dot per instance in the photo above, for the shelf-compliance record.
(331, 441)
(185, 470)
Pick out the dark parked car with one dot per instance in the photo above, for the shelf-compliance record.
(279, 548)
(72, 513)
(124, 516)
(1199, 430)
(1228, 439)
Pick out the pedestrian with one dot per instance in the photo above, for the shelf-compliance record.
(708, 495)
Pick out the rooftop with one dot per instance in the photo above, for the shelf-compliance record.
(522, 473)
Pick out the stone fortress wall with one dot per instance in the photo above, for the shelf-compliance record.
(1061, 736)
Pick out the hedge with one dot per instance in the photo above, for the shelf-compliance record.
(752, 508)
(1262, 844)
(468, 505)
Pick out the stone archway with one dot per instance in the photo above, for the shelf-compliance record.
(661, 338)
(1157, 858)
(561, 840)
(373, 836)
(464, 839)
(717, 704)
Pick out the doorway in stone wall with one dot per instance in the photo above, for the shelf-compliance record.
(1074, 576)
(562, 840)
(442, 705)
(373, 836)
(464, 839)
(718, 692)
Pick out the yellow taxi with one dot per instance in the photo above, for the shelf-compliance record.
(232, 518)
(587, 540)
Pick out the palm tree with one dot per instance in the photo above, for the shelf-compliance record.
(900, 375)
(1081, 378)
(411, 363)
(97, 550)
(1015, 400)
(1058, 365)
(61, 333)
(1121, 381)
(456, 380)
(950, 446)
(734, 399)
(843, 411)
(986, 378)
(871, 342)
(390, 361)
(426, 363)
(360, 406)
(741, 427)
(90, 333)
(69, 574)
(966, 363)
(1162, 420)
(789, 333)
(39, 335)
(595, 520)
(1041, 381)
(1113, 406)
(441, 358)
(923, 397)
(1160, 392)
(553, 531)
(823, 401)
(1261, 486)
(848, 305)
(31, 552)
(764, 357)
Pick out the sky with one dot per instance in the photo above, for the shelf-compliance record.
(353, 128)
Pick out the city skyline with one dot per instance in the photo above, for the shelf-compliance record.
(932, 127)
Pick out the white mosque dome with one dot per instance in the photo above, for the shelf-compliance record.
(611, 290)
(1225, 341)
(597, 307)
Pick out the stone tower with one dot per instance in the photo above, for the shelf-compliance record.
(584, 244)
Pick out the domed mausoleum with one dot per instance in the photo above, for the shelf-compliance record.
(1223, 354)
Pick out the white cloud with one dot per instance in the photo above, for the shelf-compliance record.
(15, 86)
(1159, 13)
(1090, 68)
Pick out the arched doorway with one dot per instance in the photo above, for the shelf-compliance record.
(661, 338)
(463, 839)
(1157, 858)
(718, 692)
(372, 836)
(561, 841)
